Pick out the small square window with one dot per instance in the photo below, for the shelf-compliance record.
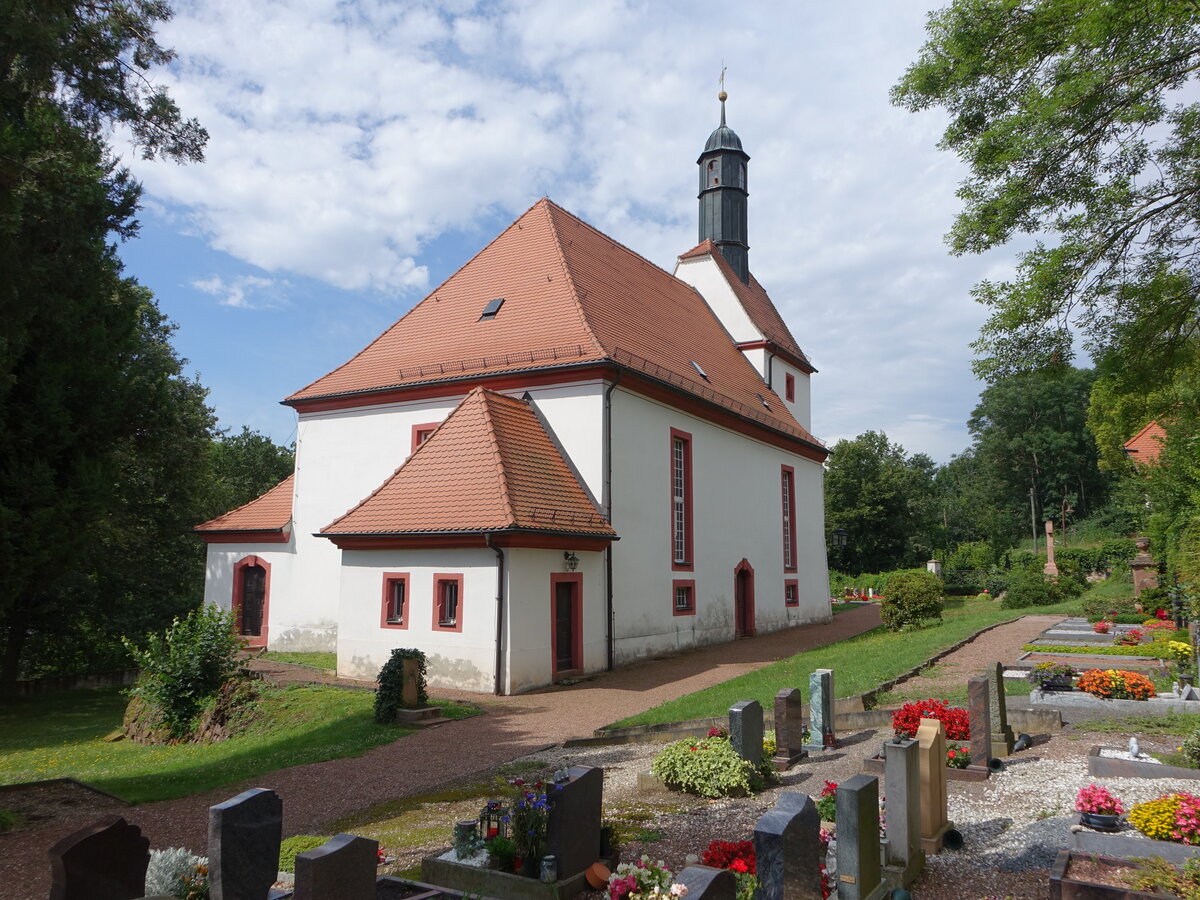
(447, 603)
(789, 387)
(683, 597)
(791, 593)
(493, 307)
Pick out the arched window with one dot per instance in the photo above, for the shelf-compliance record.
(714, 172)
(251, 594)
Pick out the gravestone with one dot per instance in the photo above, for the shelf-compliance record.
(903, 857)
(859, 875)
(1050, 568)
(107, 860)
(409, 689)
(243, 845)
(820, 712)
(1002, 733)
(980, 710)
(343, 868)
(789, 729)
(788, 850)
(707, 883)
(1144, 568)
(746, 730)
(573, 832)
(931, 741)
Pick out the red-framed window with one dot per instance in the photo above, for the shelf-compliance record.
(681, 500)
(420, 433)
(394, 610)
(251, 601)
(683, 597)
(788, 494)
(789, 387)
(447, 602)
(791, 592)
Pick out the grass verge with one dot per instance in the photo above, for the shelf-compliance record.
(62, 735)
(1173, 723)
(860, 662)
(316, 660)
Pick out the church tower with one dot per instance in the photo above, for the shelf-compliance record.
(723, 195)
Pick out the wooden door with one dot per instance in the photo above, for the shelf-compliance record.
(566, 626)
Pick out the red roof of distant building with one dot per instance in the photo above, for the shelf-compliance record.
(489, 467)
(757, 303)
(572, 296)
(1147, 444)
(270, 512)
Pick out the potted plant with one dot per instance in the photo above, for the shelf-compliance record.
(529, 812)
(1052, 676)
(957, 756)
(1098, 808)
(1101, 627)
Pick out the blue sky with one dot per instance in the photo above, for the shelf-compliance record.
(360, 152)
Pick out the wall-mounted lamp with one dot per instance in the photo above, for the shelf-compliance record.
(839, 537)
(571, 559)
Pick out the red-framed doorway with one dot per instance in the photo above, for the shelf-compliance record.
(566, 623)
(743, 600)
(252, 585)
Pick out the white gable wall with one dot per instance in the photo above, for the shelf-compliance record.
(218, 581)
(737, 514)
(703, 273)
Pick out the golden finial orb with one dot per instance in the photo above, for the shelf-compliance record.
(722, 96)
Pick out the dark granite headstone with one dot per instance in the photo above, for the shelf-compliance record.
(105, 861)
(573, 832)
(343, 868)
(789, 728)
(243, 845)
(788, 850)
(858, 870)
(706, 883)
(746, 730)
(1002, 733)
(980, 709)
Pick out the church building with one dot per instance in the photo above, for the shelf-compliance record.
(563, 459)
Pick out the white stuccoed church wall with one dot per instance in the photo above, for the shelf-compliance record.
(218, 580)
(737, 513)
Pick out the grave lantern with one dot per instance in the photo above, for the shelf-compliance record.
(492, 820)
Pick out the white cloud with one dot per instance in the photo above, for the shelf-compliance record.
(347, 136)
(244, 291)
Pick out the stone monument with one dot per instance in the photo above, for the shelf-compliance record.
(789, 729)
(1050, 568)
(343, 868)
(1002, 733)
(903, 857)
(746, 730)
(980, 713)
(859, 874)
(107, 860)
(820, 710)
(243, 845)
(931, 741)
(788, 850)
(1145, 569)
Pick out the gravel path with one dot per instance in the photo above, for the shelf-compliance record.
(514, 726)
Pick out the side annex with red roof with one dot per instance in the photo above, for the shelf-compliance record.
(563, 459)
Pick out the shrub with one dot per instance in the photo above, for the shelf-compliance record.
(391, 684)
(296, 845)
(503, 851)
(1028, 589)
(1115, 554)
(907, 719)
(1191, 749)
(8, 820)
(912, 597)
(186, 666)
(1112, 608)
(1116, 684)
(175, 872)
(709, 767)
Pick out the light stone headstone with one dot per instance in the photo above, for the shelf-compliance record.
(410, 684)
(106, 860)
(1050, 568)
(1002, 733)
(820, 708)
(931, 741)
(243, 845)
(746, 730)
(343, 868)
(859, 874)
(573, 831)
(789, 728)
(788, 850)
(707, 883)
(903, 859)
(980, 709)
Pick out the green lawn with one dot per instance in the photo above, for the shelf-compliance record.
(1170, 723)
(316, 660)
(859, 663)
(61, 735)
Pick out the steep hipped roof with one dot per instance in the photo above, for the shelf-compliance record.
(756, 302)
(572, 296)
(1147, 444)
(270, 512)
(489, 467)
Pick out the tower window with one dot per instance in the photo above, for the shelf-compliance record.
(493, 307)
(714, 172)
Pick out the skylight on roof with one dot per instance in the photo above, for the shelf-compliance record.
(493, 307)
(763, 401)
(696, 366)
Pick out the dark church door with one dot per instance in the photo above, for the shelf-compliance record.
(743, 600)
(250, 609)
(566, 626)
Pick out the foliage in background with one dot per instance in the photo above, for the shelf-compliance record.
(389, 696)
(912, 598)
(186, 666)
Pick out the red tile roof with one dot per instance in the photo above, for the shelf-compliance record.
(1147, 444)
(270, 512)
(756, 302)
(572, 295)
(490, 466)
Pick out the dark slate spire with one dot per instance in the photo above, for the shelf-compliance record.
(723, 195)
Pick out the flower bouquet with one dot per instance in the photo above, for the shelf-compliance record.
(1100, 808)
(738, 857)
(529, 818)
(643, 880)
(957, 756)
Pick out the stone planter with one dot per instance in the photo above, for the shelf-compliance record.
(1064, 886)
(1058, 683)
(1100, 821)
(1127, 843)
(874, 764)
(1084, 700)
(1110, 767)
